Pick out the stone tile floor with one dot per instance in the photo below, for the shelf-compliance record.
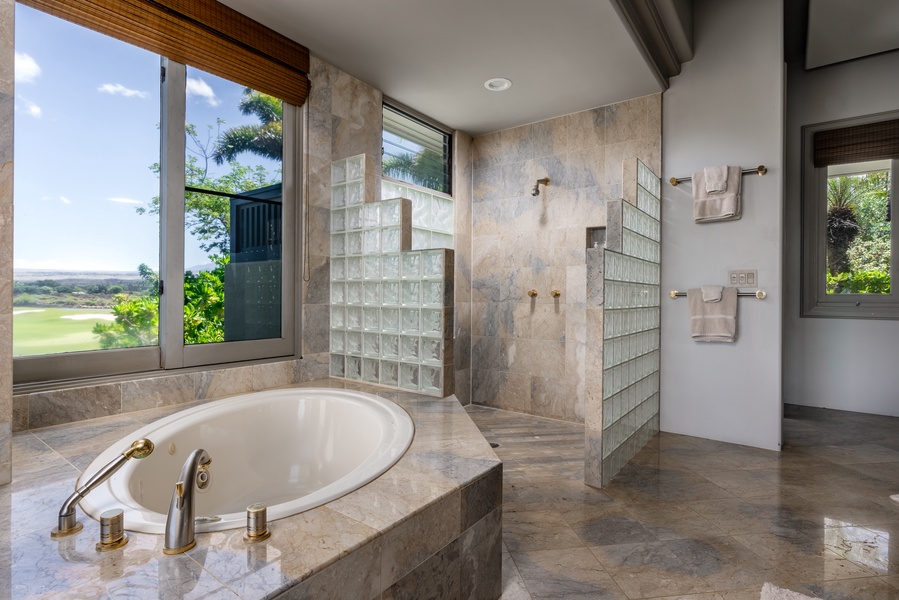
(696, 519)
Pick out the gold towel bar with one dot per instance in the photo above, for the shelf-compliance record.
(759, 170)
(760, 294)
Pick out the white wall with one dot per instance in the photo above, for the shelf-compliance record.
(846, 364)
(726, 106)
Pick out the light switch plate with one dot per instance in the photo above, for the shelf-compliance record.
(743, 278)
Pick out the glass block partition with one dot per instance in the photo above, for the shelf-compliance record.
(630, 408)
(432, 215)
(391, 308)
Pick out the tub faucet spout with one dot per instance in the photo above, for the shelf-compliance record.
(67, 525)
(179, 525)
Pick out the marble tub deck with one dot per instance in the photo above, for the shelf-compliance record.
(433, 520)
(695, 519)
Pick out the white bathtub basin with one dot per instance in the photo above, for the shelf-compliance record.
(293, 449)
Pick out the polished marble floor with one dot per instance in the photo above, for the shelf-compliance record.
(696, 519)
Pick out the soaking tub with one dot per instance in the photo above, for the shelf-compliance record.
(293, 449)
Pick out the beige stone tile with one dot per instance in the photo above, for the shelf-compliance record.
(647, 570)
(408, 545)
(538, 530)
(573, 574)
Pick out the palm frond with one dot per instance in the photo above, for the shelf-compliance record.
(262, 140)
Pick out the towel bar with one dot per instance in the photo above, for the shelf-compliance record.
(760, 294)
(759, 170)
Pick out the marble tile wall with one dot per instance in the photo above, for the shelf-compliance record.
(531, 355)
(462, 193)
(77, 403)
(344, 121)
(7, 11)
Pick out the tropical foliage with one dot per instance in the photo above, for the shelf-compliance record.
(208, 218)
(263, 139)
(425, 168)
(858, 233)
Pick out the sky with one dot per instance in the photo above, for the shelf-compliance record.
(86, 134)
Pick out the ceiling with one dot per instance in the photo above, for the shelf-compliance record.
(434, 56)
(839, 30)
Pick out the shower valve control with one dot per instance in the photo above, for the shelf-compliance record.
(743, 278)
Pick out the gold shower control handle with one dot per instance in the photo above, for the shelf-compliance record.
(555, 293)
(532, 293)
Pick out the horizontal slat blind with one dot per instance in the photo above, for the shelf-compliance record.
(202, 33)
(872, 141)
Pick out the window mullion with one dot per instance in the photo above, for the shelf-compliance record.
(171, 215)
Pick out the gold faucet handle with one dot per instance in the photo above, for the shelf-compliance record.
(532, 293)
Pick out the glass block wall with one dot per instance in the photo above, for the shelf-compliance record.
(432, 215)
(391, 308)
(631, 330)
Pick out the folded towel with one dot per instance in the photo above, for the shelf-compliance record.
(724, 206)
(713, 321)
(711, 293)
(715, 179)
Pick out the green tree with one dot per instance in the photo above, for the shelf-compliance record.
(424, 168)
(136, 318)
(264, 139)
(208, 218)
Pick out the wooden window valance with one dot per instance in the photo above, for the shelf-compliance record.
(860, 143)
(201, 33)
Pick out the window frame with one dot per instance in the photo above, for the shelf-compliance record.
(815, 302)
(171, 353)
(421, 119)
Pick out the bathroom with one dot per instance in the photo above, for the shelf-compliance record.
(733, 395)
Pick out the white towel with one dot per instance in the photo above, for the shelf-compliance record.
(712, 293)
(718, 206)
(713, 321)
(715, 179)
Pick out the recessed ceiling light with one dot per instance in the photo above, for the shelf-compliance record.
(498, 84)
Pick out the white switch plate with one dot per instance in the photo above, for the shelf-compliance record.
(743, 278)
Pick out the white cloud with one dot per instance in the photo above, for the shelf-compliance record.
(29, 107)
(200, 89)
(121, 90)
(64, 200)
(26, 68)
(125, 201)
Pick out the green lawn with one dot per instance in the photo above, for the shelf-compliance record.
(52, 330)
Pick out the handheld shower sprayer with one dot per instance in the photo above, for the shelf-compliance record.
(536, 190)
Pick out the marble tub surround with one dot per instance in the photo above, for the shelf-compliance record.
(530, 355)
(433, 522)
(696, 519)
(77, 403)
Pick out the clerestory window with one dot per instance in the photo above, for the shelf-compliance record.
(849, 170)
(415, 151)
(155, 210)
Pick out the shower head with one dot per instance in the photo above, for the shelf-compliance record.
(536, 190)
